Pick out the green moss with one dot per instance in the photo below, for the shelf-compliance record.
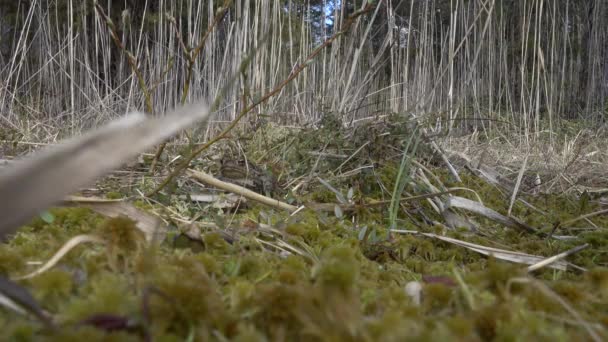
(496, 276)
(598, 278)
(177, 308)
(53, 287)
(109, 293)
(114, 195)
(293, 270)
(461, 327)
(19, 332)
(249, 333)
(338, 268)
(437, 297)
(307, 230)
(214, 242)
(123, 241)
(211, 265)
(10, 260)
(571, 292)
(488, 320)
(122, 234)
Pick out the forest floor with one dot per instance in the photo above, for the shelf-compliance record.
(378, 233)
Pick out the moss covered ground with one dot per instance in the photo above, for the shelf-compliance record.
(317, 275)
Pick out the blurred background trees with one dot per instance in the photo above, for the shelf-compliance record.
(462, 63)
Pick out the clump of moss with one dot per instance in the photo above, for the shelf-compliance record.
(214, 242)
(488, 320)
(121, 233)
(293, 270)
(247, 332)
(460, 327)
(253, 265)
(10, 260)
(495, 278)
(308, 231)
(437, 297)
(338, 268)
(186, 300)
(70, 220)
(19, 331)
(123, 241)
(53, 287)
(598, 279)
(114, 195)
(108, 293)
(276, 307)
(211, 264)
(571, 292)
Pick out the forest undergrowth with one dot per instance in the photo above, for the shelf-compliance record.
(387, 231)
(478, 213)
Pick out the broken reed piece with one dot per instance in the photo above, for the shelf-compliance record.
(239, 190)
(42, 179)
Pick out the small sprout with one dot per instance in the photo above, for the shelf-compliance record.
(338, 194)
(373, 236)
(338, 268)
(338, 212)
(362, 233)
(220, 220)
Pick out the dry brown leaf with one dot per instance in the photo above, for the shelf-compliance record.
(153, 227)
(480, 209)
(31, 185)
(502, 254)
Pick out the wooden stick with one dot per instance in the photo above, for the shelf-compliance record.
(239, 190)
